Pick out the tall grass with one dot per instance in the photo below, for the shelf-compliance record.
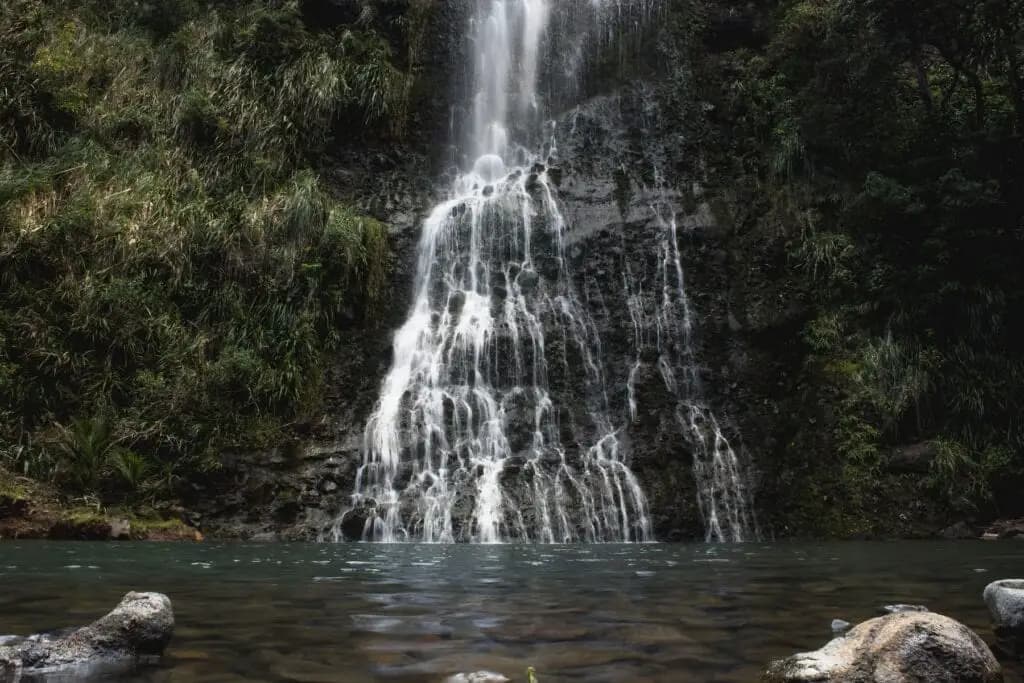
(170, 258)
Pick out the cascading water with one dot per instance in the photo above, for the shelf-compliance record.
(663, 323)
(467, 441)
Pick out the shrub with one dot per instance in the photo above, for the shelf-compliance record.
(171, 261)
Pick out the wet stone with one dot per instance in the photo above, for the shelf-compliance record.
(900, 608)
(910, 647)
(840, 626)
(1005, 601)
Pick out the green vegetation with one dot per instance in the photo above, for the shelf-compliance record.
(174, 269)
(879, 145)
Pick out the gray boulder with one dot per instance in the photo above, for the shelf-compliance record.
(1005, 600)
(905, 647)
(477, 677)
(136, 632)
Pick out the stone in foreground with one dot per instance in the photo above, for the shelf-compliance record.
(1005, 600)
(136, 632)
(906, 647)
(477, 677)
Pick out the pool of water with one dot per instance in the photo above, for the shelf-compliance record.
(417, 613)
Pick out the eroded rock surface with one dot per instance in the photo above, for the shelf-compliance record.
(136, 631)
(1005, 600)
(905, 647)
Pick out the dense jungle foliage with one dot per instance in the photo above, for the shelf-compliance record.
(173, 271)
(873, 150)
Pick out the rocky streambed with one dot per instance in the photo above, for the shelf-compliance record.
(654, 613)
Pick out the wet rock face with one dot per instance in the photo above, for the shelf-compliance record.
(624, 178)
(906, 647)
(136, 631)
(612, 227)
(1005, 601)
(617, 157)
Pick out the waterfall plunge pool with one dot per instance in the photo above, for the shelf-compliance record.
(415, 613)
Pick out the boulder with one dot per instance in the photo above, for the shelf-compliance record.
(136, 631)
(905, 647)
(1005, 600)
(354, 521)
(960, 531)
(120, 529)
(912, 459)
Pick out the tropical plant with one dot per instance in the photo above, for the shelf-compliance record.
(86, 447)
(132, 469)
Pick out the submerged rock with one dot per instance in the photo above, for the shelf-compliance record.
(136, 631)
(1005, 600)
(960, 531)
(905, 647)
(900, 607)
(477, 677)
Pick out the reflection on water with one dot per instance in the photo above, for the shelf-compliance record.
(362, 612)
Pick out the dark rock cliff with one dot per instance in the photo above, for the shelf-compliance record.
(619, 156)
(645, 141)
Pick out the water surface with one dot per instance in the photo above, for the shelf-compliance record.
(416, 613)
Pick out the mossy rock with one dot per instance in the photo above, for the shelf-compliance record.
(92, 526)
(149, 529)
(81, 526)
(13, 503)
(14, 495)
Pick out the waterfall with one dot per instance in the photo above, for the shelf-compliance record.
(467, 441)
(663, 323)
(493, 423)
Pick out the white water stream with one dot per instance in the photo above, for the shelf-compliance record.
(663, 323)
(467, 441)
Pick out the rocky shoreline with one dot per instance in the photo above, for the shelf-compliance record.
(31, 510)
(281, 497)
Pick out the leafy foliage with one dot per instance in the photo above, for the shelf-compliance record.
(882, 145)
(170, 260)
(87, 447)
